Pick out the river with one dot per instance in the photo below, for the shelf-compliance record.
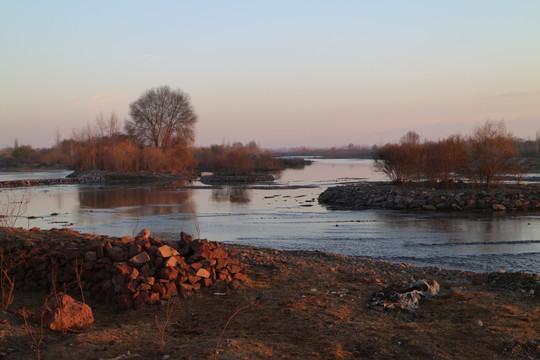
(287, 216)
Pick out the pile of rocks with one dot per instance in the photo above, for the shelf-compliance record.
(89, 177)
(385, 196)
(129, 272)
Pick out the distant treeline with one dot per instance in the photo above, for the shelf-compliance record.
(104, 146)
(487, 157)
(350, 151)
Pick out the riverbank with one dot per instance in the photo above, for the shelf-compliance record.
(300, 304)
(388, 196)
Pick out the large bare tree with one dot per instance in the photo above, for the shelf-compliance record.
(162, 117)
(493, 153)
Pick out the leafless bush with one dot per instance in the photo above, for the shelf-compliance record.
(12, 207)
(8, 261)
(161, 327)
(37, 340)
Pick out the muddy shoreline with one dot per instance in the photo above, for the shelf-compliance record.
(299, 304)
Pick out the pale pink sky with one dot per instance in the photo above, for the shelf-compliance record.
(314, 73)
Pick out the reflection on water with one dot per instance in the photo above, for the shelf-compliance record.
(232, 194)
(291, 218)
(141, 201)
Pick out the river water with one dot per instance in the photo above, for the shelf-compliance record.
(287, 216)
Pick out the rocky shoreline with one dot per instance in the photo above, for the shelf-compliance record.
(388, 196)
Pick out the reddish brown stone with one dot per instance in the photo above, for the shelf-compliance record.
(144, 287)
(143, 242)
(196, 286)
(166, 251)
(209, 262)
(170, 262)
(221, 263)
(185, 239)
(196, 266)
(140, 300)
(153, 298)
(126, 270)
(200, 245)
(207, 282)
(141, 258)
(234, 269)
(219, 254)
(240, 276)
(134, 249)
(171, 289)
(168, 273)
(150, 280)
(63, 313)
(159, 288)
(143, 234)
(127, 288)
(203, 273)
(192, 279)
(147, 270)
(126, 239)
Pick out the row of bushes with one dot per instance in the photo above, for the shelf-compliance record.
(104, 146)
(235, 159)
(486, 157)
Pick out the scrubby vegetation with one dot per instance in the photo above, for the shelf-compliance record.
(488, 157)
(236, 159)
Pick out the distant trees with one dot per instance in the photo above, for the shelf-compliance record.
(162, 118)
(103, 146)
(235, 159)
(487, 157)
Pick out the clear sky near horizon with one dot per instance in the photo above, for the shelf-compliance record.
(282, 73)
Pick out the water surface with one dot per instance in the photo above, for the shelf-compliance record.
(291, 218)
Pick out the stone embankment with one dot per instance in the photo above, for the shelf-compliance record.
(37, 182)
(129, 272)
(386, 196)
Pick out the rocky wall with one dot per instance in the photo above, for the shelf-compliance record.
(386, 196)
(129, 272)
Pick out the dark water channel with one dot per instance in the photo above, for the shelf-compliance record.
(286, 215)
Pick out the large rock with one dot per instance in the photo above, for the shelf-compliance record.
(63, 313)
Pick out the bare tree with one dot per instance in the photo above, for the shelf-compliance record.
(493, 153)
(411, 137)
(108, 128)
(163, 118)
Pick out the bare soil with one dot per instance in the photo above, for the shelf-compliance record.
(304, 305)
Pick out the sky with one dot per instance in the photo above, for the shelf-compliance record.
(282, 73)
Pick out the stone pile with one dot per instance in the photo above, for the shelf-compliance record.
(130, 272)
(385, 196)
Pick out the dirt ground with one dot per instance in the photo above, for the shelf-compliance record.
(305, 305)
